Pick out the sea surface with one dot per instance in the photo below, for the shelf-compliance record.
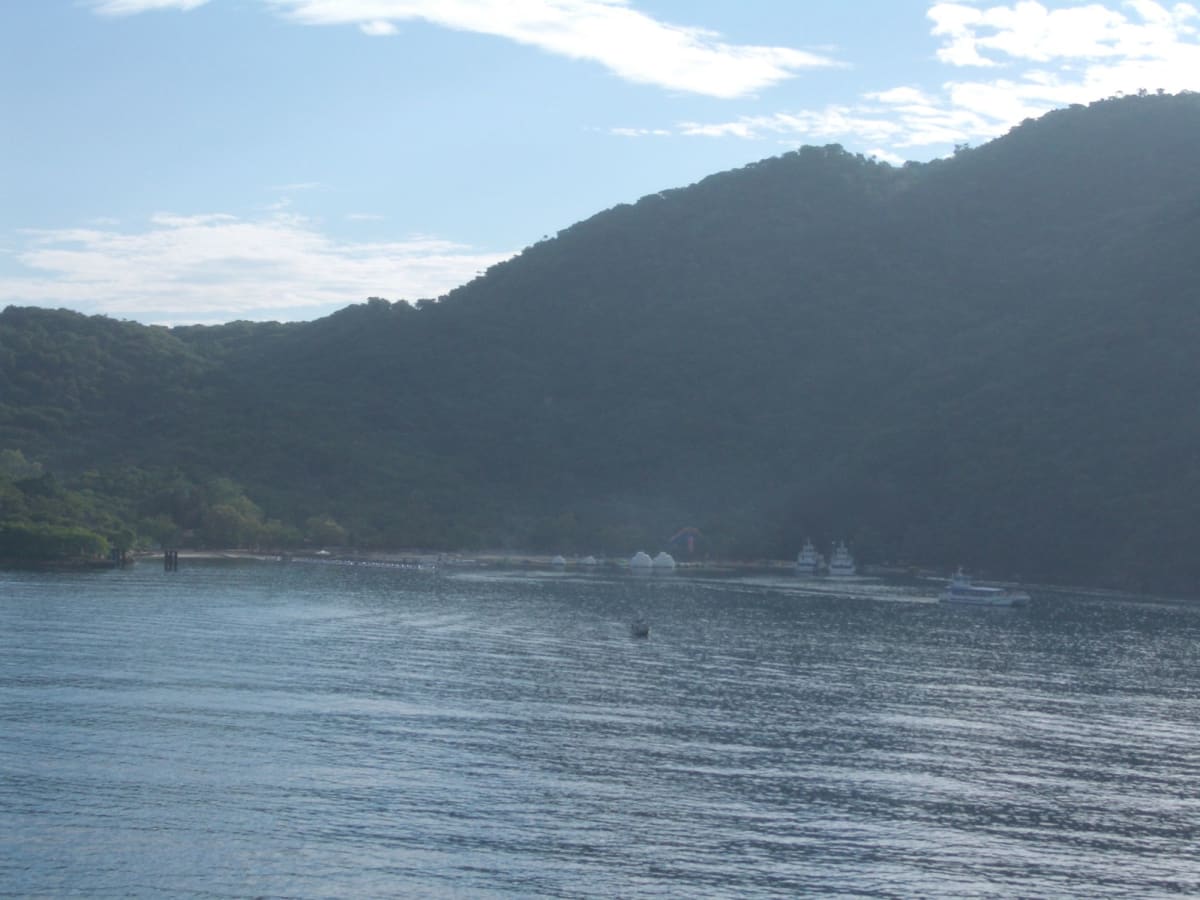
(307, 730)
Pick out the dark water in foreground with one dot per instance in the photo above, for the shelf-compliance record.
(325, 731)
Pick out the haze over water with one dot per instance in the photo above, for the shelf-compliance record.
(303, 730)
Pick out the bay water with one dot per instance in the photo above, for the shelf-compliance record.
(264, 729)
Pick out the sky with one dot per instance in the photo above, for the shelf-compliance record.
(205, 161)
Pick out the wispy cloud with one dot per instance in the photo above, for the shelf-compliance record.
(218, 267)
(130, 7)
(1040, 58)
(378, 29)
(631, 44)
(828, 123)
(642, 132)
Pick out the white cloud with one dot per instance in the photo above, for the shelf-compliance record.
(641, 132)
(828, 124)
(886, 156)
(1054, 57)
(905, 96)
(745, 127)
(1043, 57)
(130, 7)
(633, 45)
(217, 268)
(378, 29)
(1029, 31)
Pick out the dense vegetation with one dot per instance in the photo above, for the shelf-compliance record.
(987, 359)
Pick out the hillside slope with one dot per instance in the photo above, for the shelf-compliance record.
(987, 359)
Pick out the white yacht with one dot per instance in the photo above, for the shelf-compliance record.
(841, 563)
(808, 560)
(664, 562)
(961, 590)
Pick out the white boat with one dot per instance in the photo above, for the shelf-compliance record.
(961, 590)
(664, 562)
(808, 560)
(641, 562)
(841, 563)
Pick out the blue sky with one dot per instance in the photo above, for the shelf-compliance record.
(179, 161)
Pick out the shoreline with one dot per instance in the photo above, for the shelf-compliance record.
(424, 558)
(544, 562)
(502, 560)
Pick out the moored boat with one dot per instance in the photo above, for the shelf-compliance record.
(663, 562)
(808, 560)
(841, 563)
(961, 590)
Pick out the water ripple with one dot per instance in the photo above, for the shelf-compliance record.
(284, 731)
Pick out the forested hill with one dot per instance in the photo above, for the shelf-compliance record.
(988, 359)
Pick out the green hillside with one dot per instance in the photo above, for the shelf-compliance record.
(987, 359)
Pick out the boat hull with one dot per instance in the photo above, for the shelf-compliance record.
(976, 598)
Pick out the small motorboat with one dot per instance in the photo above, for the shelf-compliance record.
(639, 628)
(962, 590)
